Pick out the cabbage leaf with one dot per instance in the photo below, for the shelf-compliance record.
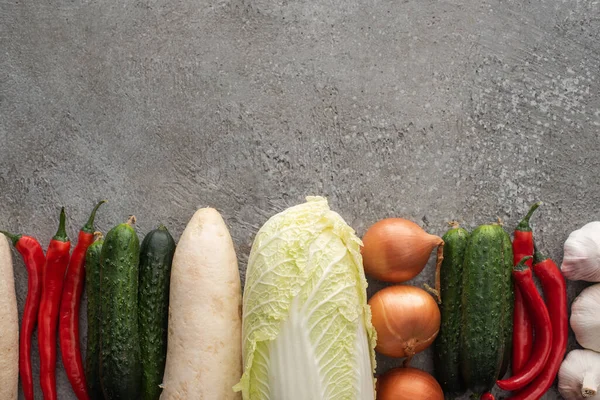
(307, 332)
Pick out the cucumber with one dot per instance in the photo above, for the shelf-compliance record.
(447, 343)
(156, 256)
(120, 366)
(486, 303)
(92, 354)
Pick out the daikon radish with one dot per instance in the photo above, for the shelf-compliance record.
(204, 353)
(9, 326)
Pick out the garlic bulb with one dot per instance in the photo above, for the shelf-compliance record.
(579, 376)
(585, 318)
(582, 254)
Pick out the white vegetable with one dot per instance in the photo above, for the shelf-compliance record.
(204, 354)
(581, 260)
(579, 375)
(9, 326)
(306, 323)
(585, 318)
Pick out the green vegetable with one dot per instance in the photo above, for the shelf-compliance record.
(120, 366)
(307, 330)
(92, 283)
(447, 343)
(487, 302)
(156, 256)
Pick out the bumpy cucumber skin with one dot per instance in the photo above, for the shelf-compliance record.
(92, 283)
(447, 343)
(120, 364)
(486, 306)
(156, 256)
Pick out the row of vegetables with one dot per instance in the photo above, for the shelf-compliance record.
(489, 319)
(169, 321)
(139, 296)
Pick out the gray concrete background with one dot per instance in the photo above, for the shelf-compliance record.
(430, 110)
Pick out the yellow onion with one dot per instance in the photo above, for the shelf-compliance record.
(406, 318)
(408, 384)
(396, 250)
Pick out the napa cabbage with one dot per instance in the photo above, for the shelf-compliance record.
(307, 332)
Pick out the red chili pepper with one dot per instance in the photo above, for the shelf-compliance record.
(555, 293)
(522, 338)
(487, 396)
(57, 259)
(68, 331)
(33, 255)
(543, 329)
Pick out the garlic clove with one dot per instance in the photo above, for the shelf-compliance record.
(581, 259)
(584, 318)
(579, 376)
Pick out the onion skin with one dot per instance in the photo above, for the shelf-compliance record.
(397, 250)
(406, 318)
(408, 384)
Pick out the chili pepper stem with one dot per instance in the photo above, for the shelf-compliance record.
(61, 233)
(521, 266)
(13, 238)
(132, 220)
(97, 236)
(524, 224)
(538, 256)
(89, 225)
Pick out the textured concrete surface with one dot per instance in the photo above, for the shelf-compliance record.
(431, 110)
